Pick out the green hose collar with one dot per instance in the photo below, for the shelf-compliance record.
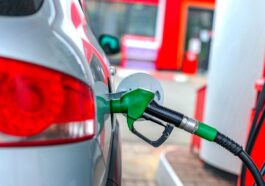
(206, 132)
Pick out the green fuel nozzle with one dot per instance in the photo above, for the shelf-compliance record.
(134, 104)
(139, 103)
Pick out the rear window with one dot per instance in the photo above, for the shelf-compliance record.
(19, 7)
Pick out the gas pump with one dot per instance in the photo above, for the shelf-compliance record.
(137, 101)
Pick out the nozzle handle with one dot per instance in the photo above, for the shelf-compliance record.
(166, 133)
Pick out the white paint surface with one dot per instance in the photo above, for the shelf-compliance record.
(166, 175)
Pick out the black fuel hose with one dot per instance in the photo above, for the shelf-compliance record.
(208, 133)
(255, 128)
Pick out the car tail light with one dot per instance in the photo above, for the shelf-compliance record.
(42, 106)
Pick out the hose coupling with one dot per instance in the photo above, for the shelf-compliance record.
(188, 124)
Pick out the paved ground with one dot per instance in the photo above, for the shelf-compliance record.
(191, 170)
(140, 160)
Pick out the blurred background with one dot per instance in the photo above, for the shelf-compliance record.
(209, 58)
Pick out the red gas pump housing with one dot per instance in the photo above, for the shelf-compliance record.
(257, 153)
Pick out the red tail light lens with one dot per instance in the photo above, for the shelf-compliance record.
(39, 105)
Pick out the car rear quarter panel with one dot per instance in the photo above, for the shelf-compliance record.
(48, 38)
